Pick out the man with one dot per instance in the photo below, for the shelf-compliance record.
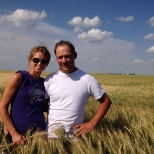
(69, 89)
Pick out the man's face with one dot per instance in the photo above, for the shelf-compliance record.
(65, 59)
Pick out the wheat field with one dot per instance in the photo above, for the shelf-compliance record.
(128, 127)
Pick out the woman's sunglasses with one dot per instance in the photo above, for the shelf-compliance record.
(43, 61)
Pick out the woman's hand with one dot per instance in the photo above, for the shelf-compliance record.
(18, 139)
(6, 132)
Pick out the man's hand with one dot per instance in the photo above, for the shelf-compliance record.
(82, 129)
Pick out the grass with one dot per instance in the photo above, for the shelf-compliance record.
(126, 129)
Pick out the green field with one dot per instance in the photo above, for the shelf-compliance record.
(128, 127)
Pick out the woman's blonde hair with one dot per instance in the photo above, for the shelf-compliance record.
(41, 49)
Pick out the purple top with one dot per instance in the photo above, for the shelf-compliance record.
(26, 111)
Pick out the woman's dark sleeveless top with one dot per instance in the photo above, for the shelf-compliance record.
(26, 106)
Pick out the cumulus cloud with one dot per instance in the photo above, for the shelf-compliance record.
(150, 50)
(149, 36)
(76, 21)
(151, 21)
(78, 30)
(21, 17)
(94, 35)
(86, 22)
(29, 22)
(138, 61)
(126, 19)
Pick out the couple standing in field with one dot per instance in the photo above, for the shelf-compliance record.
(64, 94)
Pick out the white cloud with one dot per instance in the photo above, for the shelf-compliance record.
(87, 22)
(92, 22)
(150, 50)
(126, 19)
(76, 21)
(138, 61)
(29, 22)
(50, 29)
(21, 17)
(151, 21)
(94, 35)
(149, 36)
(95, 60)
(78, 30)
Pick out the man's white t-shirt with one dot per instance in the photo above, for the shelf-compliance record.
(68, 95)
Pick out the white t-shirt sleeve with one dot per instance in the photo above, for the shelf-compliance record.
(46, 84)
(95, 89)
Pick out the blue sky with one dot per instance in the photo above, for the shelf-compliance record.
(110, 36)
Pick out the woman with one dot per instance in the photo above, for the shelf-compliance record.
(25, 91)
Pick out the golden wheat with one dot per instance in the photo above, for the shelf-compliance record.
(126, 129)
